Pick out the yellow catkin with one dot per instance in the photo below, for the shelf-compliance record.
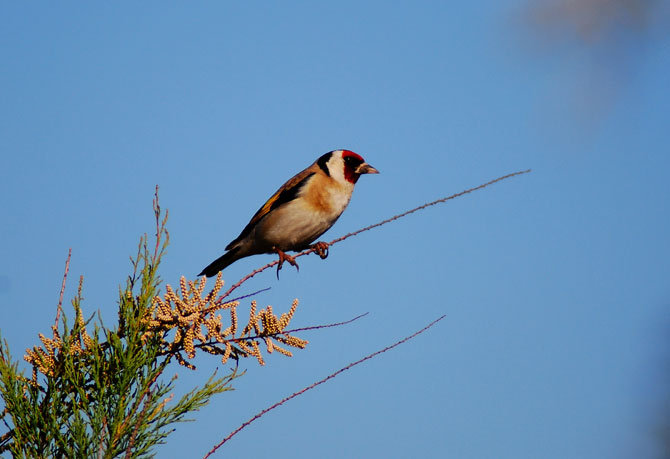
(49, 343)
(191, 315)
(257, 353)
(177, 336)
(182, 287)
(75, 349)
(199, 334)
(188, 343)
(292, 341)
(283, 351)
(169, 293)
(252, 319)
(221, 337)
(199, 289)
(233, 320)
(226, 353)
(245, 348)
(286, 318)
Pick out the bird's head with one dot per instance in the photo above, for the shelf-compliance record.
(345, 166)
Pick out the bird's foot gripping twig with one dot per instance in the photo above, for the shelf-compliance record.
(321, 249)
(283, 256)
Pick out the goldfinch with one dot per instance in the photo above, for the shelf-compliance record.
(299, 212)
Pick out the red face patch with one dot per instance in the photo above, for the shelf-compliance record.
(351, 163)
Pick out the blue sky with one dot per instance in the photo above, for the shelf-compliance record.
(554, 284)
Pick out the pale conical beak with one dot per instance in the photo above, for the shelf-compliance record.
(365, 168)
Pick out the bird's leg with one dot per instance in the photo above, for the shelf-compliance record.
(321, 249)
(283, 256)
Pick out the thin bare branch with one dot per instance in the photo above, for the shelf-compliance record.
(62, 288)
(244, 279)
(416, 209)
(318, 327)
(138, 423)
(160, 229)
(312, 386)
(265, 336)
(367, 228)
(248, 295)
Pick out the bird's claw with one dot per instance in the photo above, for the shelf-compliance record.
(283, 256)
(321, 249)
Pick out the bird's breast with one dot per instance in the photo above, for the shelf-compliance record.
(327, 196)
(296, 224)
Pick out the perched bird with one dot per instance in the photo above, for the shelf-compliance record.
(299, 212)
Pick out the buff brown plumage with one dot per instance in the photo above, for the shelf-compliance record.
(300, 211)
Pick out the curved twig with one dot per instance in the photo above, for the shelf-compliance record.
(312, 386)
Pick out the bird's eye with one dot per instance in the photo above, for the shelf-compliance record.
(351, 161)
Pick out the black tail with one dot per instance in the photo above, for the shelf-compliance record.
(217, 265)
